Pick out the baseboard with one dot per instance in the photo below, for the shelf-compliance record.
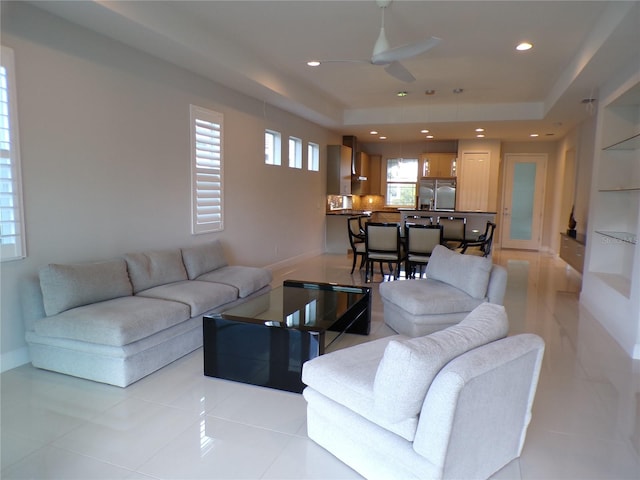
(288, 262)
(14, 358)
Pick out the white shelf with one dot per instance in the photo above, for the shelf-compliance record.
(617, 282)
(631, 143)
(620, 189)
(626, 237)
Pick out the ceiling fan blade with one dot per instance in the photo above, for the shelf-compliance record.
(397, 70)
(404, 51)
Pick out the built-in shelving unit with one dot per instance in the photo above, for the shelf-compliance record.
(611, 279)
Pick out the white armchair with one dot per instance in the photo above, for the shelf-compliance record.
(453, 404)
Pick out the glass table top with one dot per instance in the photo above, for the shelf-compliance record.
(309, 306)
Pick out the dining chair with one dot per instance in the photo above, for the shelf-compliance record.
(421, 240)
(383, 245)
(356, 239)
(484, 242)
(453, 231)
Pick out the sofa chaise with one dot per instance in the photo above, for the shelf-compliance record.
(454, 404)
(455, 285)
(119, 320)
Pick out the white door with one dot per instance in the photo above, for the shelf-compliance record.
(523, 201)
(474, 173)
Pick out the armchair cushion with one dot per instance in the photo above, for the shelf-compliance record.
(409, 366)
(465, 272)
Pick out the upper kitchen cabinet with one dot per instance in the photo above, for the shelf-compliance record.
(338, 170)
(438, 164)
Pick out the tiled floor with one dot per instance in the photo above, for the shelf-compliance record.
(177, 423)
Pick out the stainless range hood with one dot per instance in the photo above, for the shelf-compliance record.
(356, 159)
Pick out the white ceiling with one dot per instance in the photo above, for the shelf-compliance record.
(261, 48)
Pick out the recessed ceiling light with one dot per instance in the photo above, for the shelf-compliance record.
(313, 63)
(480, 135)
(429, 136)
(402, 93)
(524, 46)
(430, 92)
(534, 135)
(479, 129)
(383, 138)
(373, 132)
(424, 131)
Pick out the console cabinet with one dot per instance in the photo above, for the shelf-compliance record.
(572, 251)
(611, 283)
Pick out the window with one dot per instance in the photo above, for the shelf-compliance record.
(12, 235)
(402, 177)
(313, 157)
(206, 171)
(272, 148)
(295, 152)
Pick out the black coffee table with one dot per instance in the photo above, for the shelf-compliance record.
(265, 340)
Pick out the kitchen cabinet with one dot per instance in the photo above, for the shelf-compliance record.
(338, 170)
(572, 251)
(611, 281)
(386, 217)
(438, 164)
(375, 174)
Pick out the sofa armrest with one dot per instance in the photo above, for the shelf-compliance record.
(481, 402)
(497, 285)
(31, 302)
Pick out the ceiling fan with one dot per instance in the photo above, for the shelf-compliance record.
(383, 54)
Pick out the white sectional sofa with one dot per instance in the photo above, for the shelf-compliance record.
(120, 320)
(454, 404)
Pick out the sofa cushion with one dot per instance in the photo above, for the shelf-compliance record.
(408, 366)
(346, 376)
(203, 258)
(69, 286)
(427, 297)
(199, 296)
(150, 269)
(246, 279)
(468, 273)
(115, 322)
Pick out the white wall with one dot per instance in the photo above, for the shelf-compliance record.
(104, 134)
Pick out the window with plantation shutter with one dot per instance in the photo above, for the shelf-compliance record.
(12, 235)
(206, 171)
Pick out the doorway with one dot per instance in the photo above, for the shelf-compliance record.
(523, 201)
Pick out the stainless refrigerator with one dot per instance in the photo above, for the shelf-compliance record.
(437, 193)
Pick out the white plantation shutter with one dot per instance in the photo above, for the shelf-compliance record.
(206, 171)
(12, 237)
